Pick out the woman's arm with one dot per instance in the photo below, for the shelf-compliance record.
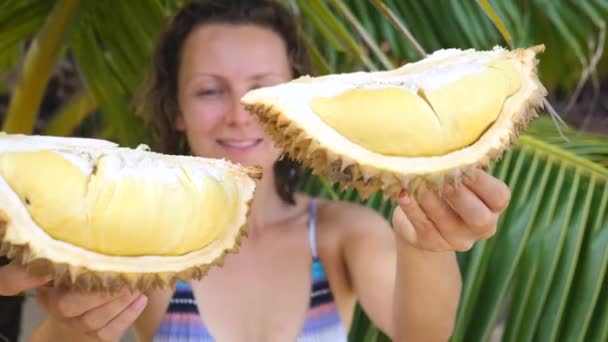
(426, 296)
(407, 279)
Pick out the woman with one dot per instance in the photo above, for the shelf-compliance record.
(306, 261)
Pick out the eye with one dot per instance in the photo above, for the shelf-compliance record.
(209, 92)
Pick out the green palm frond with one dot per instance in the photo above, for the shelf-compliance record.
(37, 68)
(110, 59)
(593, 147)
(571, 31)
(543, 238)
(71, 115)
(555, 228)
(546, 268)
(21, 19)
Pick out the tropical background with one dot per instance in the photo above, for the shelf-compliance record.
(72, 68)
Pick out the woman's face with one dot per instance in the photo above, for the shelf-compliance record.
(219, 64)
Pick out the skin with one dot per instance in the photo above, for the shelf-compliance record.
(416, 282)
(15, 279)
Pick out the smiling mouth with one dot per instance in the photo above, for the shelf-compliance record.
(239, 143)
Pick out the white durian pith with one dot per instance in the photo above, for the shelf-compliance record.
(424, 123)
(102, 215)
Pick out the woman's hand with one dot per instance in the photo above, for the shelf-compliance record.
(102, 316)
(15, 279)
(455, 220)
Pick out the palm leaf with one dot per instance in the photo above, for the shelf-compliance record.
(569, 29)
(97, 75)
(327, 22)
(18, 20)
(536, 252)
(555, 229)
(21, 19)
(588, 145)
(109, 58)
(358, 27)
(37, 67)
(543, 234)
(71, 115)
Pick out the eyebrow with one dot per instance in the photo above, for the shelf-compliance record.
(264, 75)
(254, 77)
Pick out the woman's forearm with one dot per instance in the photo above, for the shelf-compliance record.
(427, 293)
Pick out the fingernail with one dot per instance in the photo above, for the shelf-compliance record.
(405, 198)
(140, 302)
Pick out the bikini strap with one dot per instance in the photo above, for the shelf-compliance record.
(312, 231)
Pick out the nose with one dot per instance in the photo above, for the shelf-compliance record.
(237, 115)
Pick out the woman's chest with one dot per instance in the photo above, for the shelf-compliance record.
(262, 293)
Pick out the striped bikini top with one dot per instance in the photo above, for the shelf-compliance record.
(182, 321)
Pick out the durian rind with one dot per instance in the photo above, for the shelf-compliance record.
(306, 138)
(22, 240)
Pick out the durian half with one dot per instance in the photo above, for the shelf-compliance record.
(422, 124)
(99, 216)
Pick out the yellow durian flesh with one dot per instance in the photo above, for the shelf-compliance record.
(351, 114)
(102, 216)
(421, 124)
(105, 210)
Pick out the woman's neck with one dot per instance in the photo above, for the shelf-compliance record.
(267, 208)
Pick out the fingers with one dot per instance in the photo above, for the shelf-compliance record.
(15, 279)
(70, 304)
(493, 192)
(103, 315)
(449, 224)
(478, 218)
(117, 326)
(456, 218)
(416, 228)
(99, 317)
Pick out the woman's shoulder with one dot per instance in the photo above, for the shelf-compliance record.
(352, 235)
(344, 218)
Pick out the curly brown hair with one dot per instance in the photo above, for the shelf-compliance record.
(158, 97)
